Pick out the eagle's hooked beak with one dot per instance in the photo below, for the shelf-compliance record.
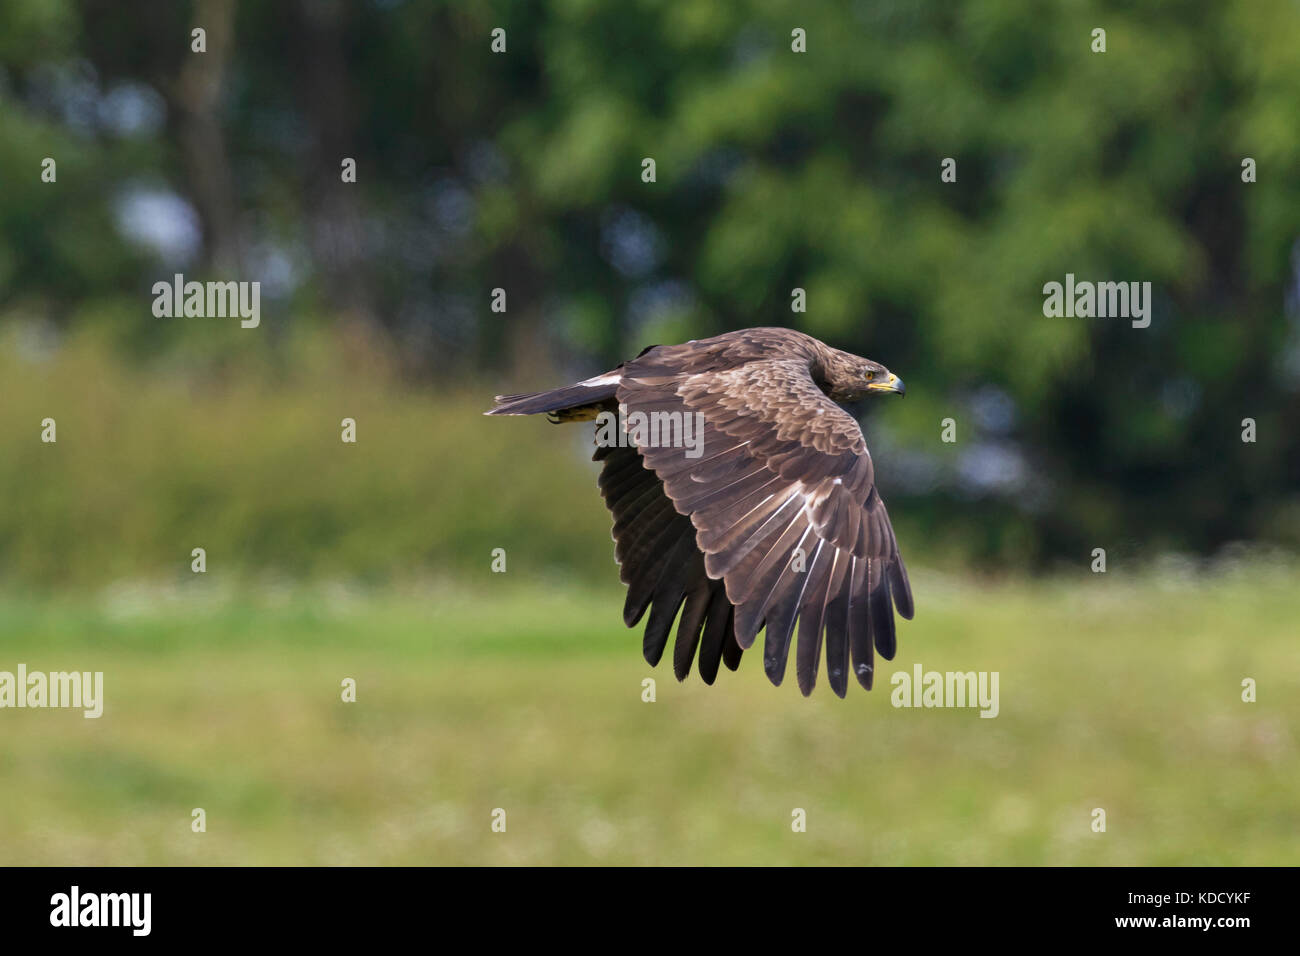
(892, 384)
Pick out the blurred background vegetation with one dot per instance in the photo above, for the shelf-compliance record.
(775, 170)
(522, 170)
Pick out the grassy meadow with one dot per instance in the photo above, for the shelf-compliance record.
(525, 694)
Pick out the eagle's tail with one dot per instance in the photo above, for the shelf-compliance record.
(570, 403)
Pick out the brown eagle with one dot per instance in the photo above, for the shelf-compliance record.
(758, 510)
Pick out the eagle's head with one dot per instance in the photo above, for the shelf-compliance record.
(850, 377)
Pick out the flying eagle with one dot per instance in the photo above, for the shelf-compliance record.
(774, 516)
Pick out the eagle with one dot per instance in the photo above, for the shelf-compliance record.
(767, 519)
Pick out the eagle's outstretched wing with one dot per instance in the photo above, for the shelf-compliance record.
(785, 513)
(664, 569)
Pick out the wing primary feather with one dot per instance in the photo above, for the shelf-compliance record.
(882, 619)
(688, 631)
(809, 650)
(731, 649)
(780, 621)
(716, 632)
(900, 587)
(860, 623)
(837, 624)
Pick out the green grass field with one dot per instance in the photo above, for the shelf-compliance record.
(1119, 693)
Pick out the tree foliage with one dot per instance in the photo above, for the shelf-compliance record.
(775, 170)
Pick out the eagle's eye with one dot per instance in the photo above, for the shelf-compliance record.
(868, 375)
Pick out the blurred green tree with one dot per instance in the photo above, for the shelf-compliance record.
(776, 169)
